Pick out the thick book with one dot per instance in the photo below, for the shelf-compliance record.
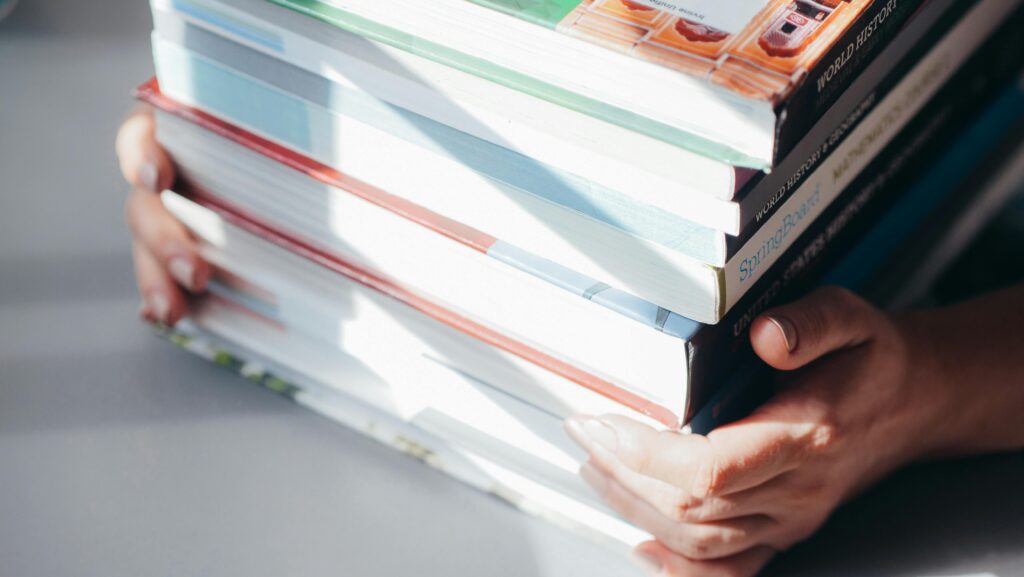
(532, 197)
(496, 442)
(683, 386)
(673, 386)
(654, 272)
(580, 146)
(362, 312)
(918, 235)
(750, 72)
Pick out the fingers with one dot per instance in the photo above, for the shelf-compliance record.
(730, 459)
(144, 163)
(166, 240)
(162, 300)
(829, 319)
(663, 562)
(710, 540)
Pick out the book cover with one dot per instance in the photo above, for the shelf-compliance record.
(712, 353)
(772, 52)
(210, 64)
(879, 213)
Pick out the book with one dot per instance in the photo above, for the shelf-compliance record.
(908, 166)
(345, 63)
(917, 235)
(722, 60)
(531, 197)
(707, 347)
(494, 441)
(369, 317)
(684, 285)
(336, 389)
(677, 387)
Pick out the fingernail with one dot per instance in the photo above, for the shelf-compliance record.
(595, 479)
(159, 306)
(590, 431)
(183, 271)
(788, 331)
(646, 561)
(149, 176)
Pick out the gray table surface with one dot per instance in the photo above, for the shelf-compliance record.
(120, 455)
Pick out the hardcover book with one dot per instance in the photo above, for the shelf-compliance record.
(657, 272)
(754, 74)
(195, 63)
(708, 348)
(507, 447)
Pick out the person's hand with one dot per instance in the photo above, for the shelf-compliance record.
(848, 411)
(167, 264)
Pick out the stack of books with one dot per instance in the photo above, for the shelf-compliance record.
(452, 224)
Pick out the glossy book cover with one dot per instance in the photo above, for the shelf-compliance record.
(760, 49)
(754, 74)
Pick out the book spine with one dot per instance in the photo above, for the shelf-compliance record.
(837, 69)
(716, 350)
(766, 193)
(880, 128)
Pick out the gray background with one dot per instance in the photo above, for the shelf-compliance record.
(120, 455)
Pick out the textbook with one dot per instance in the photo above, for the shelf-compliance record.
(920, 235)
(204, 69)
(634, 363)
(339, 66)
(496, 442)
(656, 273)
(752, 73)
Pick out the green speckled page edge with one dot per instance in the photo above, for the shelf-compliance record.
(517, 81)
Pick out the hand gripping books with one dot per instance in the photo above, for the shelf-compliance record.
(476, 433)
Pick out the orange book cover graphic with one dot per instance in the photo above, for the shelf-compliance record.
(763, 57)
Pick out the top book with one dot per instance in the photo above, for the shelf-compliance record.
(738, 81)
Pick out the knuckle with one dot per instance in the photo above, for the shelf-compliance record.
(708, 479)
(823, 430)
(813, 323)
(842, 304)
(686, 507)
(703, 541)
(843, 297)
(838, 293)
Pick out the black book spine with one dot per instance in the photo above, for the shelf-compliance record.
(837, 69)
(767, 193)
(718, 351)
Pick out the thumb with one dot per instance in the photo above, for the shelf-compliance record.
(144, 163)
(829, 319)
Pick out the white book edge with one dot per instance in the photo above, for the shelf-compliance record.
(354, 317)
(487, 473)
(587, 146)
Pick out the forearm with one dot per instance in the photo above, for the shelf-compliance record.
(972, 356)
